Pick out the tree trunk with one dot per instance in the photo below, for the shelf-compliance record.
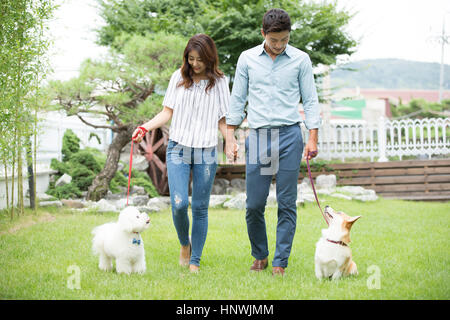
(31, 176)
(100, 185)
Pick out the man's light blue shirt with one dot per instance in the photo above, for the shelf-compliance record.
(274, 89)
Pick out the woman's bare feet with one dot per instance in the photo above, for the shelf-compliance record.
(185, 255)
(194, 268)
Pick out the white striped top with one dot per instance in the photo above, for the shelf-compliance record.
(196, 113)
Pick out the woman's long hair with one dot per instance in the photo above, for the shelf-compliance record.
(207, 51)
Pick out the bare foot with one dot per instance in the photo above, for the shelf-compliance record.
(185, 255)
(193, 268)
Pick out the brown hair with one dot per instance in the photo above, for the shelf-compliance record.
(276, 20)
(206, 48)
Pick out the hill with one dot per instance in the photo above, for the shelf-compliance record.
(390, 74)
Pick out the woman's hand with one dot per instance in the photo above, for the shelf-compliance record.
(139, 134)
(231, 145)
(231, 149)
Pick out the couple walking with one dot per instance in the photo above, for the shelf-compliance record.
(272, 77)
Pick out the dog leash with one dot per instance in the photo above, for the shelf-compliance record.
(142, 131)
(312, 184)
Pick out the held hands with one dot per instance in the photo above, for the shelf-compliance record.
(231, 149)
(138, 134)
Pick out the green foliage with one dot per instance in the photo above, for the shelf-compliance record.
(86, 158)
(59, 166)
(118, 180)
(82, 177)
(141, 179)
(131, 82)
(137, 179)
(83, 165)
(316, 166)
(419, 109)
(23, 64)
(70, 144)
(233, 24)
(67, 191)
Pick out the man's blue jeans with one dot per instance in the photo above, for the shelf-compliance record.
(181, 160)
(276, 151)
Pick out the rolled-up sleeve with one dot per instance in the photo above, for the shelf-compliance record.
(309, 94)
(236, 113)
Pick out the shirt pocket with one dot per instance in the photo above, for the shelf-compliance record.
(259, 78)
(287, 79)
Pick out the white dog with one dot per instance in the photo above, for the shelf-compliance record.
(333, 257)
(122, 241)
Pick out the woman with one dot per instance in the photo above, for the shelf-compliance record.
(196, 100)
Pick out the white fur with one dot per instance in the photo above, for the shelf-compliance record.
(115, 241)
(333, 260)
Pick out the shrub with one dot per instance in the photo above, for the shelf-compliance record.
(84, 165)
(86, 159)
(147, 184)
(70, 145)
(66, 191)
(82, 177)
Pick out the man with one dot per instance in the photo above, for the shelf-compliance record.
(273, 76)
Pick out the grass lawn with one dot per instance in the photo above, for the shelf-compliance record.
(406, 242)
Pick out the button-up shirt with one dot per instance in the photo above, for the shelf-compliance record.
(273, 89)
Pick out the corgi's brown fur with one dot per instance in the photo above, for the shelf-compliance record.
(333, 257)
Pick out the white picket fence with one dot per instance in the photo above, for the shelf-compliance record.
(384, 138)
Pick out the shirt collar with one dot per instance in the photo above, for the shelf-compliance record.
(286, 51)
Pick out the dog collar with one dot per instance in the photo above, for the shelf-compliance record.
(338, 242)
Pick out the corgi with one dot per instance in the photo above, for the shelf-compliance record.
(333, 257)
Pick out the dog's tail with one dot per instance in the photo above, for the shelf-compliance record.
(97, 242)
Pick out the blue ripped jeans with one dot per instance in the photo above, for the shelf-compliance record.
(181, 160)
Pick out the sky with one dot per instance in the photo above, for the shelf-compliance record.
(403, 29)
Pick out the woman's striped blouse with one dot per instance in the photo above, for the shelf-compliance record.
(196, 113)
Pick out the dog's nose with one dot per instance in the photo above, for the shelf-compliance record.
(148, 221)
(326, 207)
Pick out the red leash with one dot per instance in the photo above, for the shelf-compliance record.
(129, 171)
(312, 185)
(140, 133)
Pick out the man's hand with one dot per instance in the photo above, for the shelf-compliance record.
(231, 149)
(311, 146)
(231, 146)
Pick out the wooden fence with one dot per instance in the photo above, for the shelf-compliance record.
(410, 180)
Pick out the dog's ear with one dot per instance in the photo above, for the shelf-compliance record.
(125, 222)
(351, 221)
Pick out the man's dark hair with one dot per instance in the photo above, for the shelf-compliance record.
(276, 20)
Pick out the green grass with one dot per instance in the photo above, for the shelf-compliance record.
(407, 241)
